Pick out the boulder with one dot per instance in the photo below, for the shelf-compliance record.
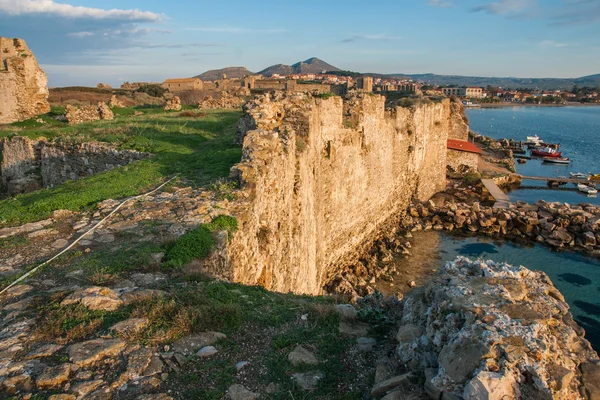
(88, 353)
(95, 298)
(491, 386)
(382, 388)
(54, 377)
(239, 392)
(300, 355)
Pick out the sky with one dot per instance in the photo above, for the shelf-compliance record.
(83, 42)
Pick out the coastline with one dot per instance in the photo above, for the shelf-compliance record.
(504, 105)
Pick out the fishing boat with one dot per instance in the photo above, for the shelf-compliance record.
(586, 189)
(578, 175)
(545, 152)
(556, 160)
(552, 145)
(532, 139)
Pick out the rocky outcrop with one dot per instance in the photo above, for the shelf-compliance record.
(226, 101)
(484, 330)
(23, 84)
(115, 102)
(78, 115)
(29, 165)
(173, 104)
(321, 177)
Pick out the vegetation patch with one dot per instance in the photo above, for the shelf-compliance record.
(200, 150)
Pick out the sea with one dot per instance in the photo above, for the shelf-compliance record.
(577, 129)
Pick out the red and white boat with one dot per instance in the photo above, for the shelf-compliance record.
(546, 152)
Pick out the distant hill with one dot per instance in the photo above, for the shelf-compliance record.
(231, 72)
(311, 66)
(505, 82)
(315, 65)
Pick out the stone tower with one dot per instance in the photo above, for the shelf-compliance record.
(23, 84)
(365, 83)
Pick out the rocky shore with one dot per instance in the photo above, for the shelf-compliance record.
(485, 330)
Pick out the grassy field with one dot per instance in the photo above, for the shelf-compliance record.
(200, 148)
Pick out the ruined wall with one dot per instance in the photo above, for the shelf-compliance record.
(23, 84)
(459, 126)
(456, 159)
(321, 177)
(30, 165)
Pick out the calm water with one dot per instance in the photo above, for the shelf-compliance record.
(577, 129)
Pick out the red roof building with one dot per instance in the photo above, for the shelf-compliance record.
(461, 145)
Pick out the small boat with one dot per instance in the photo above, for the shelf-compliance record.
(521, 161)
(535, 138)
(556, 160)
(586, 189)
(578, 175)
(594, 177)
(545, 152)
(552, 145)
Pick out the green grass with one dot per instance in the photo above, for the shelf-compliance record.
(201, 150)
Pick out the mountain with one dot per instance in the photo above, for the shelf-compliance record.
(311, 66)
(505, 82)
(231, 72)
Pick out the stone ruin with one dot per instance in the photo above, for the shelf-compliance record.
(227, 101)
(23, 84)
(29, 165)
(174, 104)
(115, 102)
(77, 115)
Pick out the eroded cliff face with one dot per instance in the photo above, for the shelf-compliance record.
(321, 178)
(23, 84)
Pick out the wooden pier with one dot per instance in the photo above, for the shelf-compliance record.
(502, 200)
(556, 181)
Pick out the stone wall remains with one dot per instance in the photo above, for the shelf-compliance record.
(459, 127)
(29, 165)
(456, 159)
(321, 178)
(78, 115)
(23, 84)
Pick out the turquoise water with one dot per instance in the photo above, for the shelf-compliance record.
(577, 129)
(576, 276)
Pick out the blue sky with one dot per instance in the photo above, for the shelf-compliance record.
(83, 42)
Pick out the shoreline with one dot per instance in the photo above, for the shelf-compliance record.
(505, 105)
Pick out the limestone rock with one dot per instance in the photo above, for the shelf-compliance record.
(92, 351)
(366, 344)
(346, 311)
(84, 388)
(105, 112)
(239, 392)
(382, 388)
(491, 386)
(356, 329)
(95, 298)
(115, 102)
(19, 383)
(63, 396)
(591, 379)
(308, 380)
(226, 101)
(173, 104)
(22, 81)
(130, 326)
(188, 344)
(54, 377)
(300, 355)
(207, 352)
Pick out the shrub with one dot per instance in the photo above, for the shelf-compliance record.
(152, 90)
(194, 244)
(324, 96)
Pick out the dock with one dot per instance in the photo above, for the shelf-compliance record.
(556, 181)
(502, 200)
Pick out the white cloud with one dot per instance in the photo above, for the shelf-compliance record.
(52, 8)
(82, 34)
(376, 36)
(552, 43)
(507, 7)
(228, 29)
(440, 3)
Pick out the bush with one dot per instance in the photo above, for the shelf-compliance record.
(324, 96)
(152, 90)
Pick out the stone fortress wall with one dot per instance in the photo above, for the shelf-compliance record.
(321, 178)
(23, 84)
(28, 165)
